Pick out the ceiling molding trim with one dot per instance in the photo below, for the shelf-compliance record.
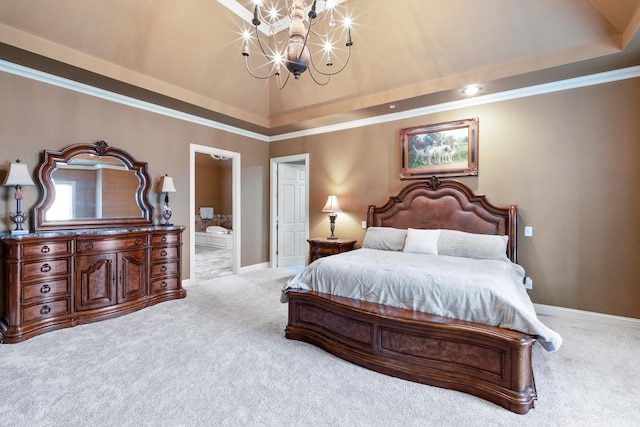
(577, 82)
(54, 80)
(561, 85)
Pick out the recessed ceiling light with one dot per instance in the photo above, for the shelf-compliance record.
(393, 106)
(471, 90)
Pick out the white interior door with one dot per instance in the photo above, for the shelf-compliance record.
(292, 214)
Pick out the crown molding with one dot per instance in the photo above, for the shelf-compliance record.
(558, 86)
(40, 76)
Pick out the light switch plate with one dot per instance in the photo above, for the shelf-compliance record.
(528, 231)
(528, 282)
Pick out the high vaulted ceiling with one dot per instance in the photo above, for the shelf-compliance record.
(186, 54)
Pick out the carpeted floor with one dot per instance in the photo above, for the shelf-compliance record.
(219, 357)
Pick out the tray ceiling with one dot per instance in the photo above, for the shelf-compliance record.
(186, 55)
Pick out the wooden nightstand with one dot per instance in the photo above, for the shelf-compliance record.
(319, 248)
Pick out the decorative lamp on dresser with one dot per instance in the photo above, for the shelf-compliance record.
(87, 260)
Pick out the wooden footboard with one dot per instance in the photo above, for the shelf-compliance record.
(488, 362)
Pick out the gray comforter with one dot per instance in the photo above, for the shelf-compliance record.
(483, 291)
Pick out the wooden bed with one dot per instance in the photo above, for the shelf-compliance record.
(489, 362)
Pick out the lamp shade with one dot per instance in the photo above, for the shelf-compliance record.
(166, 185)
(18, 175)
(332, 204)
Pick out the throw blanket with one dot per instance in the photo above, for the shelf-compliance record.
(477, 290)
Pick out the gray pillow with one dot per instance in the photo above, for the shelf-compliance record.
(470, 245)
(384, 238)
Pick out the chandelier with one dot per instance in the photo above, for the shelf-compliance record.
(316, 27)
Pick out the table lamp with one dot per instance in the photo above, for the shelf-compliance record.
(18, 176)
(333, 207)
(166, 187)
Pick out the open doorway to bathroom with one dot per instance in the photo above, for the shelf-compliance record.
(214, 225)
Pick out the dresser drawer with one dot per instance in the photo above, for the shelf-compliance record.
(164, 269)
(110, 245)
(47, 249)
(164, 239)
(50, 288)
(34, 313)
(164, 285)
(158, 254)
(45, 269)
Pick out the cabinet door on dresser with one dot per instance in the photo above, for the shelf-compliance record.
(95, 281)
(110, 271)
(132, 275)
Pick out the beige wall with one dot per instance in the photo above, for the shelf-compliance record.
(568, 159)
(35, 116)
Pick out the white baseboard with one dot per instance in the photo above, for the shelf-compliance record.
(254, 267)
(550, 310)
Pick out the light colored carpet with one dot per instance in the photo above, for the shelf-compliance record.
(219, 357)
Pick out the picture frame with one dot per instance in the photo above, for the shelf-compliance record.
(443, 150)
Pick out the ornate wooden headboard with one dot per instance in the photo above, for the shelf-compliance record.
(446, 204)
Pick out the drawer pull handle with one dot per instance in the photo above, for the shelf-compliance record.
(163, 252)
(45, 268)
(89, 245)
(164, 239)
(45, 249)
(45, 289)
(163, 269)
(138, 242)
(45, 309)
(163, 284)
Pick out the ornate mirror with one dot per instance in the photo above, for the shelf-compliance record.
(87, 186)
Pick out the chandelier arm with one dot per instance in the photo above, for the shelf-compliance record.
(306, 37)
(319, 83)
(266, 55)
(313, 64)
(246, 63)
(285, 82)
(319, 19)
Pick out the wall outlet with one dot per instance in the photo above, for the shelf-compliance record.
(364, 224)
(528, 231)
(528, 282)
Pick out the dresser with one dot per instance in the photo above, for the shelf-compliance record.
(54, 280)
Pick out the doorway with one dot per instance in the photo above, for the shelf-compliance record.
(289, 189)
(233, 219)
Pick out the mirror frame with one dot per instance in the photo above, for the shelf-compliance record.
(100, 148)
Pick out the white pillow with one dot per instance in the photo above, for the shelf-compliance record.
(422, 241)
(471, 245)
(384, 238)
